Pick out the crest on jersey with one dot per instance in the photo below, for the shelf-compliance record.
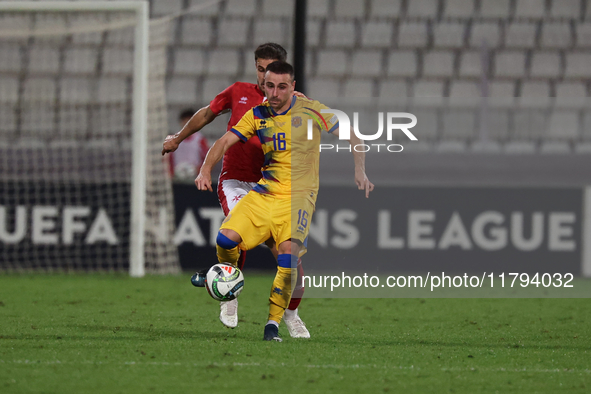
(296, 121)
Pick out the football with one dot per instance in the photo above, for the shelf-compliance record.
(224, 282)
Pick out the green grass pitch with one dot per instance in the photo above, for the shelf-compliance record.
(114, 334)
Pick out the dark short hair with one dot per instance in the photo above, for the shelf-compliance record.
(270, 50)
(279, 67)
(186, 113)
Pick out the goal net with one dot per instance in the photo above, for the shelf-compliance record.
(83, 186)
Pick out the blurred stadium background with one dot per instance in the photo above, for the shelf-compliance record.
(500, 89)
(498, 181)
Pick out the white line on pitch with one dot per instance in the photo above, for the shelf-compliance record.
(311, 366)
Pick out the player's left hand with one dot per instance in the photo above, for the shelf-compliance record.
(363, 182)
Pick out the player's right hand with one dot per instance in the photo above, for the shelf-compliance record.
(203, 182)
(170, 145)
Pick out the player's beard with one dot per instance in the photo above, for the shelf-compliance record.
(275, 103)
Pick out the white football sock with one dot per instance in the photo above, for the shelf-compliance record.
(273, 322)
(290, 314)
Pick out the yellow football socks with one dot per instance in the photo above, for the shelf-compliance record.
(281, 292)
(227, 255)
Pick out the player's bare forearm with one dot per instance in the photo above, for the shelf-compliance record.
(361, 179)
(199, 120)
(214, 155)
(358, 157)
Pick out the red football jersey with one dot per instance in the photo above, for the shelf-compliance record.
(243, 161)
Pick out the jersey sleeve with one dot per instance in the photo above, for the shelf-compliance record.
(330, 120)
(222, 101)
(246, 127)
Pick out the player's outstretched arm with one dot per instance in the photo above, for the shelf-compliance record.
(199, 120)
(363, 183)
(214, 155)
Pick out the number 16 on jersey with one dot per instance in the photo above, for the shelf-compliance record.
(279, 142)
(302, 220)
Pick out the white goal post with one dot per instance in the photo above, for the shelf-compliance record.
(139, 117)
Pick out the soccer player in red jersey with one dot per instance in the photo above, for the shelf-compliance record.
(241, 167)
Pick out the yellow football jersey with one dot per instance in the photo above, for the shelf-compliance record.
(291, 159)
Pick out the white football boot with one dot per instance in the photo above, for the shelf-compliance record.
(295, 325)
(229, 313)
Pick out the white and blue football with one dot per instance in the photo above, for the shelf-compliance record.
(224, 282)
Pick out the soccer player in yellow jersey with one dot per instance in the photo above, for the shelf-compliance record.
(282, 203)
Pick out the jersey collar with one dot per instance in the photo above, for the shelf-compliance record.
(293, 100)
